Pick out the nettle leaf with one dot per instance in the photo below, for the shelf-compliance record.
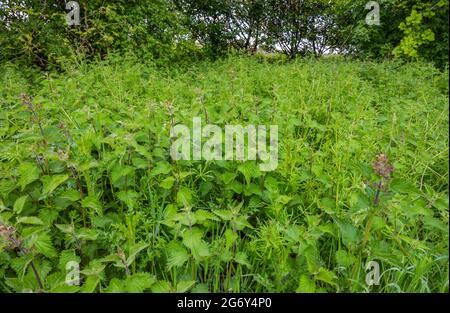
(241, 222)
(161, 286)
(403, 186)
(139, 282)
(184, 286)
(50, 183)
(312, 258)
(67, 229)
(65, 257)
(168, 182)
(43, 244)
(225, 215)
(28, 173)
(306, 285)
(95, 268)
(120, 171)
(202, 216)
(192, 239)
(115, 286)
(184, 196)
(344, 259)
(19, 204)
(249, 170)
(177, 255)
(241, 258)
(6, 186)
(129, 197)
(70, 195)
(20, 264)
(271, 184)
(326, 276)
(236, 186)
(66, 198)
(230, 238)
(161, 168)
(87, 234)
(92, 202)
(90, 284)
(228, 177)
(33, 220)
(64, 288)
(139, 163)
(349, 233)
(134, 250)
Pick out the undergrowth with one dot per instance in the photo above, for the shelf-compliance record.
(86, 177)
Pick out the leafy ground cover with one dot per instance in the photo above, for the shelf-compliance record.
(86, 178)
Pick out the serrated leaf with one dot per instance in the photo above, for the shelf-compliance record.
(28, 173)
(326, 276)
(402, 186)
(50, 183)
(192, 239)
(168, 182)
(19, 204)
(241, 258)
(139, 282)
(184, 286)
(33, 220)
(134, 250)
(43, 244)
(162, 167)
(306, 285)
(177, 255)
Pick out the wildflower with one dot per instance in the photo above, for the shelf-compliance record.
(382, 166)
(8, 234)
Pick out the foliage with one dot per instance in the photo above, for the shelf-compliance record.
(86, 177)
(168, 31)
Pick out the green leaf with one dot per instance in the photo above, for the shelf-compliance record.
(134, 250)
(50, 183)
(177, 255)
(30, 220)
(90, 284)
(161, 286)
(192, 239)
(326, 276)
(241, 258)
(43, 244)
(402, 186)
(249, 170)
(139, 282)
(167, 183)
(129, 197)
(202, 216)
(344, 259)
(115, 286)
(306, 285)
(184, 286)
(225, 215)
(28, 173)
(350, 234)
(93, 203)
(184, 196)
(19, 203)
(162, 167)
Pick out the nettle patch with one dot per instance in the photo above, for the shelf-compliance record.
(91, 200)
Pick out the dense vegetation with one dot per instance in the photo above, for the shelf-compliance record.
(86, 176)
(92, 201)
(35, 32)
